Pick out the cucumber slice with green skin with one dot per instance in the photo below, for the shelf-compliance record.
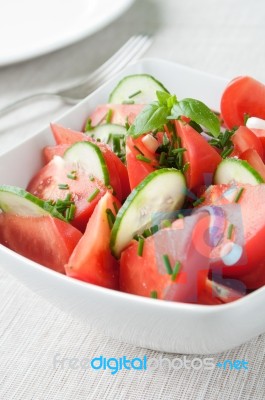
(162, 191)
(137, 89)
(88, 156)
(236, 170)
(14, 200)
(107, 132)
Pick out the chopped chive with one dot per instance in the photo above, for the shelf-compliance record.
(109, 138)
(198, 201)
(63, 186)
(137, 148)
(70, 212)
(140, 246)
(147, 233)
(154, 229)
(153, 294)
(93, 195)
(72, 176)
(180, 216)
(166, 223)
(179, 150)
(68, 197)
(115, 207)
(98, 140)
(185, 167)
(162, 158)
(91, 177)
(142, 158)
(128, 102)
(116, 144)
(111, 217)
(167, 264)
(227, 152)
(88, 126)
(238, 195)
(176, 270)
(135, 94)
(246, 117)
(109, 116)
(230, 231)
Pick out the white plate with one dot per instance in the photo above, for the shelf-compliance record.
(154, 324)
(39, 27)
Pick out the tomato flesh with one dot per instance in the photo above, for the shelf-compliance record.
(121, 113)
(254, 159)
(203, 159)
(45, 240)
(250, 268)
(243, 95)
(146, 273)
(91, 260)
(137, 169)
(45, 185)
(119, 179)
(244, 139)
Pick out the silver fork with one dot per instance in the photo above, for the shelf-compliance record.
(133, 49)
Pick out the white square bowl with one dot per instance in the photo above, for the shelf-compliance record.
(154, 324)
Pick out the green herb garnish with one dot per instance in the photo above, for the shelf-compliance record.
(153, 294)
(93, 195)
(63, 186)
(167, 264)
(238, 195)
(140, 246)
(230, 231)
(142, 158)
(176, 270)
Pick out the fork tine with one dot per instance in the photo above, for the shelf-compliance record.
(131, 53)
(131, 50)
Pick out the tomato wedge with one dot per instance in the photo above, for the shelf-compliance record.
(45, 185)
(254, 159)
(244, 139)
(146, 274)
(243, 95)
(216, 293)
(45, 240)
(91, 260)
(202, 157)
(249, 268)
(138, 169)
(121, 113)
(119, 179)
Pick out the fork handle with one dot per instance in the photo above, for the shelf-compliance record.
(28, 99)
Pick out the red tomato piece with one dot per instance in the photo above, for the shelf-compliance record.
(243, 95)
(145, 274)
(91, 260)
(260, 133)
(45, 240)
(253, 158)
(244, 139)
(138, 169)
(45, 186)
(121, 113)
(203, 159)
(119, 179)
(50, 151)
(250, 267)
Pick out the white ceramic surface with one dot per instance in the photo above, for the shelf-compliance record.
(31, 28)
(154, 324)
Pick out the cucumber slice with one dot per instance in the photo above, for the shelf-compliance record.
(14, 200)
(138, 89)
(162, 191)
(107, 132)
(88, 156)
(236, 170)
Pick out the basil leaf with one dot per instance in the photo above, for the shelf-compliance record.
(198, 112)
(162, 97)
(151, 118)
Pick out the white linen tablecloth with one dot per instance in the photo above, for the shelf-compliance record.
(225, 38)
